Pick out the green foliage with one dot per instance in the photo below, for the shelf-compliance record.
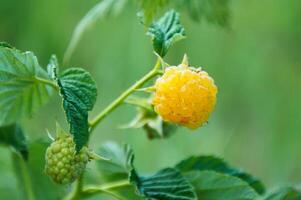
(207, 179)
(214, 11)
(210, 185)
(118, 168)
(148, 119)
(286, 193)
(23, 85)
(201, 163)
(13, 136)
(167, 184)
(32, 181)
(5, 44)
(150, 8)
(79, 93)
(120, 163)
(165, 32)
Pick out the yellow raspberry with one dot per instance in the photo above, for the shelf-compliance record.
(185, 96)
(63, 164)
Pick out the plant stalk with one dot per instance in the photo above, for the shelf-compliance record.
(105, 188)
(47, 82)
(77, 192)
(154, 72)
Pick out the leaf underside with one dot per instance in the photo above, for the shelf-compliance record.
(210, 185)
(21, 94)
(201, 163)
(285, 193)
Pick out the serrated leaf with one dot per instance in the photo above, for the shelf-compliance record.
(150, 8)
(210, 185)
(165, 32)
(13, 136)
(214, 11)
(31, 174)
(52, 67)
(120, 161)
(201, 163)
(79, 93)
(167, 184)
(286, 193)
(117, 168)
(21, 90)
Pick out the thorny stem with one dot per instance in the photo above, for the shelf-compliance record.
(154, 72)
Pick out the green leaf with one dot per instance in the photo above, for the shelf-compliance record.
(118, 168)
(148, 119)
(32, 180)
(165, 32)
(52, 67)
(201, 163)
(210, 185)
(150, 8)
(167, 184)
(120, 163)
(286, 193)
(13, 136)
(79, 93)
(214, 11)
(5, 44)
(23, 85)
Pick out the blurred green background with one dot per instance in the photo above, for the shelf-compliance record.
(256, 64)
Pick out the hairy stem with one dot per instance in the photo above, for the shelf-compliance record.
(105, 188)
(154, 72)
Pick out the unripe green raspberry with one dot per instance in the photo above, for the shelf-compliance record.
(63, 165)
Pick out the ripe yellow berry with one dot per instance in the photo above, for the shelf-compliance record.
(63, 165)
(185, 96)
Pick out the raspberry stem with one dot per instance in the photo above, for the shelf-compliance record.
(80, 193)
(105, 188)
(154, 72)
(47, 82)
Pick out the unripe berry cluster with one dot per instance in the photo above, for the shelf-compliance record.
(63, 164)
(185, 96)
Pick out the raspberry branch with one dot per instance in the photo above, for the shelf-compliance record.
(154, 72)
